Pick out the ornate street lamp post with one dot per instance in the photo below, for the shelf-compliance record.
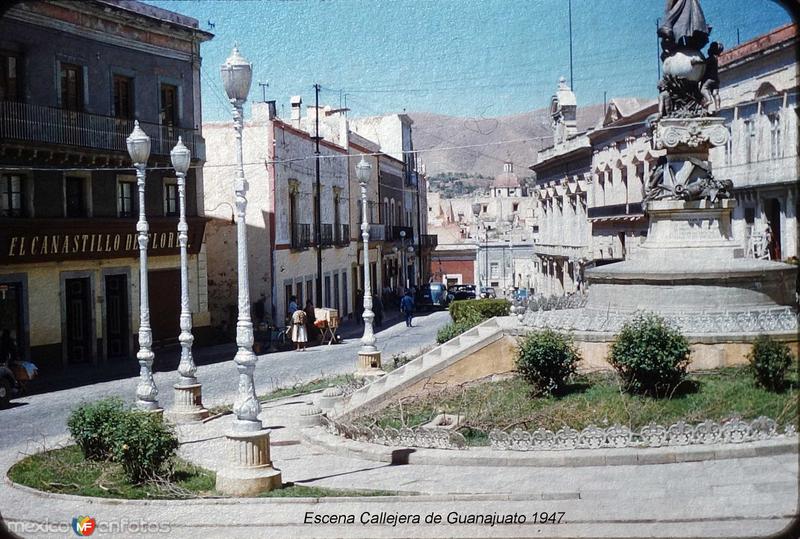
(188, 392)
(146, 392)
(369, 358)
(403, 259)
(252, 472)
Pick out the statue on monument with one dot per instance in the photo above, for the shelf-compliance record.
(686, 89)
(686, 124)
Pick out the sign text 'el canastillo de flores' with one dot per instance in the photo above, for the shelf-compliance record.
(51, 240)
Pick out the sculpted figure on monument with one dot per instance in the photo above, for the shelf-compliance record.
(690, 79)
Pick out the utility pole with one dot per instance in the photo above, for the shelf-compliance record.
(318, 196)
(571, 80)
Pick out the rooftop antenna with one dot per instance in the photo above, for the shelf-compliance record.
(263, 86)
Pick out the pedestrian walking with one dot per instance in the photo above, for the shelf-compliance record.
(407, 307)
(299, 334)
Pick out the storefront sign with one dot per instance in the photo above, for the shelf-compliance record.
(52, 240)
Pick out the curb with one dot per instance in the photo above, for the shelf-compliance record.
(550, 496)
(317, 436)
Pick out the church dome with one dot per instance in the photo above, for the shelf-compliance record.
(507, 179)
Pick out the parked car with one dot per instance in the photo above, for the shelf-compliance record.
(462, 291)
(433, 296)
(488, 292)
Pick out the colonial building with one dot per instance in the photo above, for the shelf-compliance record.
(563, 180)
(283, 244)
(758, 98)
(622, 158)
(73, 78)
(282, 204)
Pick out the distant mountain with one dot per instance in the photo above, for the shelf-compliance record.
(486, 156)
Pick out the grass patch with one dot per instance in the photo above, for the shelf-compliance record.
(65, 471)
(296, 389)
(596, 399)
(303, 491)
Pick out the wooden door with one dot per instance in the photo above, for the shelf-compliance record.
(117, 330)
(165, 305)
(79, 320)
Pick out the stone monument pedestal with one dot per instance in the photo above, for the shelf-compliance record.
(188, 406)
(252, 471)
(369, 365)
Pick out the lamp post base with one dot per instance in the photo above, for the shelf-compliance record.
(369, 365)
(252, 471)
(188, 404)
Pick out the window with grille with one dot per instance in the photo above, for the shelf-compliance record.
(11, 196)
(9, 77)
(170, 197)
(123, 97)
(72, 87)
(126, 198)
(75, 192)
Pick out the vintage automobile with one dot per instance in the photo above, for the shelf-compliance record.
(488, 292)
(433, 296)
(462, 291)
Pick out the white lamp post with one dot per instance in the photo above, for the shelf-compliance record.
(369, 358)
(188, 393)
(146, 392)
(252, 472)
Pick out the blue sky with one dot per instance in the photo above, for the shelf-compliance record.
(460, 57)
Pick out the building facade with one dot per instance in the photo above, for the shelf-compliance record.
(622, 158)
(758, 99)
(563, 181)
(75, 76)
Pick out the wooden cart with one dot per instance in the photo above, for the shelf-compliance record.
(331, 318)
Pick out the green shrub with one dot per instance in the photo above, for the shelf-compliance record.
(454, 329)
(93, 427)
(546, 359)
(650, 355)
(484, 308)
(145, 446)
(769, 360)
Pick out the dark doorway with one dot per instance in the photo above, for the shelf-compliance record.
(117, 332)
(772, 211)
(164, 287)
(11, 319)
(79, 320)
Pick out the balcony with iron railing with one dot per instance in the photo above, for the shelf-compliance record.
(301, 236)
(326, 235)
(341, 235)
(429, 240)
(26, 123)
(377, 232)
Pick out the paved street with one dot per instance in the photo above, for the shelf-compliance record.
(37, 416)
(743, 497)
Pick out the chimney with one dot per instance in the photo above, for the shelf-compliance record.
(297, 103)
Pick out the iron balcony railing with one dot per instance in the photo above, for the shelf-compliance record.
(23, 122)
(301, 235)
(377, 232)
(341, 235)
(429, 240)
(326, 235)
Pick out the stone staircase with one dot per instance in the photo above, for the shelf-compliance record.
(373, 394)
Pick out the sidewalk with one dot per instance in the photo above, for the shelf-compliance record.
(742, 497)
